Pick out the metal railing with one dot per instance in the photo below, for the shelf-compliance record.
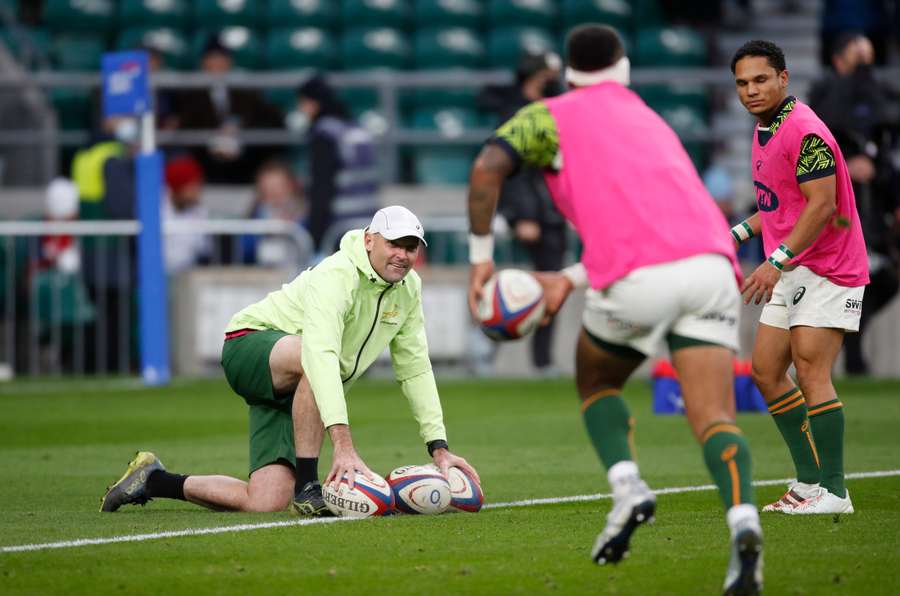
(388, 86)
(80, 319)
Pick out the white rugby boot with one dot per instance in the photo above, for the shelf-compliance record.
(745, 568)
(797, 493)
(633, 504)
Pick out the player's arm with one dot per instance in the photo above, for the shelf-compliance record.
(746, 229)
(528, 137)
(325, 301)
(412, 367)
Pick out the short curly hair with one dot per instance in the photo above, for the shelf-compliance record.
(761, 47)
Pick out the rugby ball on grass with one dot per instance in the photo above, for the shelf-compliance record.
(511, 306)
(367, 497)
(420, 489)
(465, 492)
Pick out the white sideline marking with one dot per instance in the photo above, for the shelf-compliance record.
(20, 548)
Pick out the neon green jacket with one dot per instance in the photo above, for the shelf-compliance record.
(347, 315)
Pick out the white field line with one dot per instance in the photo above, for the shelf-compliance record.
(19, 548)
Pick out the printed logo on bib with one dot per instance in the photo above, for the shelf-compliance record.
(798, 295)
(853, 306)
(766, 199)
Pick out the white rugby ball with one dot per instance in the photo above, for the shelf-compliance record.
(465, 492)
(511, 306)
(367, 497)
(419, 489)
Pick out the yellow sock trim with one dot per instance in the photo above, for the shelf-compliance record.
(787, 408)
(784, 399)
(825, 408)
(598, 396)
(719, 427)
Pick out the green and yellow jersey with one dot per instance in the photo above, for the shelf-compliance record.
(816, 158)
(530, 137)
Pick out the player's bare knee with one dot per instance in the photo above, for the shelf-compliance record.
(763, 378)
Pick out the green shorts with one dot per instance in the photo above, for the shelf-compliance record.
(246, 363)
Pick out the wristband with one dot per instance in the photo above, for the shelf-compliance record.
(780, 256)
(435, 445)
(742, 232)
(481, 248)
(576, 274)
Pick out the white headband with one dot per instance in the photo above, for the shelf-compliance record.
(620, 72)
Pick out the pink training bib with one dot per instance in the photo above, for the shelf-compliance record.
(628, 186)
(839, 253)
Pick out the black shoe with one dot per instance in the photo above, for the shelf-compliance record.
(308, 502)
(132, 486)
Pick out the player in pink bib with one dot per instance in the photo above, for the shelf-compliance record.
(812, 281)
(657, 269)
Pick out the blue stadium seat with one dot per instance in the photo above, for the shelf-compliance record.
(243, 42)
(374, 13)
(77, 52)
(146, 14)
(506, 45)
(215, 14)
(448, 47)
(300, 47)
(376, 47)
(617, 13)
(76, 15)
(670, 46)
(302, 13)
(449, 13)
(171, 43)
(536, 13)
(441, 163)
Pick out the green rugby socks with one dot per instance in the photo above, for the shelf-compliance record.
(727, 456)
(609, 426)
(827, 423)
(790, 415)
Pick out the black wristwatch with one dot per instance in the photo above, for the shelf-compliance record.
(436, 444)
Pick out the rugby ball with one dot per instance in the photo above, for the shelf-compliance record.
(511, 306)
(419, 489)
(465, 492)
(367, 497)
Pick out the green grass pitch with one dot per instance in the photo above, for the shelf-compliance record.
(61, 443)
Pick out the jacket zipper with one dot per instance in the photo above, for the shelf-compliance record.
(365, 341)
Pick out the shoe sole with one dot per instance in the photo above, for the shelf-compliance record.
(135, 465)
(749, 545)
(308, 511)
(616, 548)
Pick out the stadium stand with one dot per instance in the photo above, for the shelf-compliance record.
(358, 36)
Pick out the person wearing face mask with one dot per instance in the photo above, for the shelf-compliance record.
(525, 202)
(294, 355)
(864, 115)
(104, 175)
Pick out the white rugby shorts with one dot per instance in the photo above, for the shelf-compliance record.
(695, 298)
(802, 298)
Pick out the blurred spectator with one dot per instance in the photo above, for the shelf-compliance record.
(524, 200)
(104, 175)
(864, 116)
(720, 184)
(184, 179)
(227, 111)
(278, 196)
(61, 252)
(868, 17)
(343, 177)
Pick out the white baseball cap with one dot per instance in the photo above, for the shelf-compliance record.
(397, 222)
